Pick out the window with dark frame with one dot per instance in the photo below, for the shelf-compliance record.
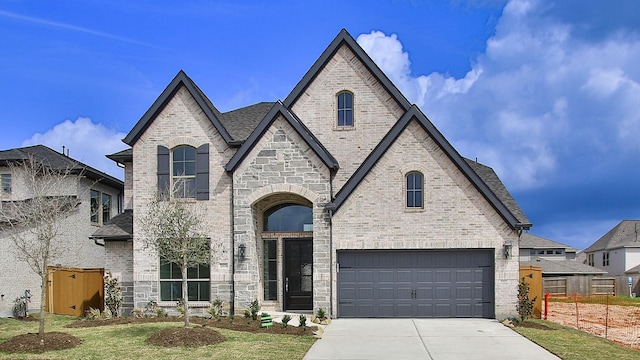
(198, 283)
(6, 183)
(270, 270)
(184, 171)
(591, 260)
(605, 258)
(414, 190)
(100, 205)
(345, 109)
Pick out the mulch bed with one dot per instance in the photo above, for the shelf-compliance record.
(201, 333)
(34, 343)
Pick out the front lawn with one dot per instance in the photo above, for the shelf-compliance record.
(572, 344)
(128, 342)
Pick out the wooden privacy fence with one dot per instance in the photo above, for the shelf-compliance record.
(72, 291)
(532, 275)
(584, 285)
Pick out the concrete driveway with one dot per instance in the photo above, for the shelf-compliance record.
(433, 339)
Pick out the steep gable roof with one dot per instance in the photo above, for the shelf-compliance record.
(415, 114)
(298, 126)
(530, 241)
(58, 161)
(345, 38)
(625, 234)
(181, 79)
(240, 123)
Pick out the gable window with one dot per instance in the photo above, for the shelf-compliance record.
(345, 109)
(414, 185)
(184, 172)
(591, 260)
(6, 183)
(171, 282)
(185, 169)
(605, 258)
(100, 207)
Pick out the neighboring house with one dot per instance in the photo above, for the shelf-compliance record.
(343, 196)
(554, 258)
(101, 199)
(617, 251)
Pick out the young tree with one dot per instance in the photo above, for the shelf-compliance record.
(173, 229)
(36, 223)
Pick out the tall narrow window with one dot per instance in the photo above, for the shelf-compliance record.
(605, 258)
(590, 260)
(95, 207)
(171, 282)
(6, 183)
(414, 190)
(100, 207)
(106, 207)
(270, 270)
(184, 172)
(345, 109)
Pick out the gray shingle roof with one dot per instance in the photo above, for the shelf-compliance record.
(625, 234)
(530, 241)
(497, 187)
(120, 227)
(58, 161)
(123, 156)
(562, 267)
(241, 122)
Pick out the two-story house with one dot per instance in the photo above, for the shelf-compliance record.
(343, 196)
(100, 197)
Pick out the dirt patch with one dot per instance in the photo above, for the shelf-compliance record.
(236, 323)
(186, 336)
(614, 322)
(34, 343)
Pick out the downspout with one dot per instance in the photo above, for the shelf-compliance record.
(232, 307)
(332, 267)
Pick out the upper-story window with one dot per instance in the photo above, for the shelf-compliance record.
(6, 183)
(605, 258)
(591, 259)
(345, 109)
(100, 207)
(183, 170)
(414, 189)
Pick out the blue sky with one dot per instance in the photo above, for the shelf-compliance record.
(545, 92)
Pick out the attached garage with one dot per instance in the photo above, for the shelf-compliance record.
(416, 284)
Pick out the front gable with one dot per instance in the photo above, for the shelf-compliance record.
(180, 81)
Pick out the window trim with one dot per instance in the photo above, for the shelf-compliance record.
(97, 211)
(4, 179)
(414, 191)
(178, 280)
(345, 126)
(605, 258)
(175, 179)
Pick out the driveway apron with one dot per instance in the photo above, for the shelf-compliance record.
(431, 339)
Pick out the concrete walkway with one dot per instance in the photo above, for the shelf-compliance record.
(432, 339)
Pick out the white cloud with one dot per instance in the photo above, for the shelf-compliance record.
(538, 102)
(86, 141)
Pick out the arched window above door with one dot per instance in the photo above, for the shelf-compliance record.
(288, 217)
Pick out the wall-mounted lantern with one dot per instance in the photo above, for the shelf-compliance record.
(241, 252)
(507, 250)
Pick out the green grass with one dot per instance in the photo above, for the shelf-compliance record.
(128, 342)
(572, 344)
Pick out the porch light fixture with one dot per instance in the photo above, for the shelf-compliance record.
(507, 250)
(241, 252)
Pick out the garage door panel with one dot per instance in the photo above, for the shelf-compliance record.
(416, 284)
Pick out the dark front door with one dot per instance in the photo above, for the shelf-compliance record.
(298, 274)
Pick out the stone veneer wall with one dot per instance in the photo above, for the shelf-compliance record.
(280, 163)
(455, 214)
(182, 122)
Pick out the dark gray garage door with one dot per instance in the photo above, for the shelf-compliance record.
(416, 283)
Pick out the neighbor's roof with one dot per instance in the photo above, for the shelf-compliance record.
(625, 234)
(58, 161)
(120, 227)
(530, 241)
(562, 267)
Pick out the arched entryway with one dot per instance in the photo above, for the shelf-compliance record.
(287, 252)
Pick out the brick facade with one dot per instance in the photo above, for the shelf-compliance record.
(282, 166)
